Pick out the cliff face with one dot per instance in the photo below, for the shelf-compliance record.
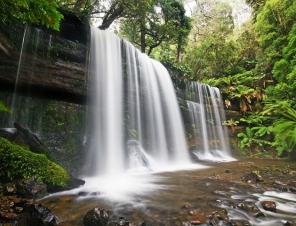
(39, 63)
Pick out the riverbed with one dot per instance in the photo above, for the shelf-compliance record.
(183, 196)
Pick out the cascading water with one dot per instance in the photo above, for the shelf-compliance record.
(206, 112)
(23, 108)
(132, 101)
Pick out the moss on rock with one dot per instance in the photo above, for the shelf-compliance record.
(20, 163)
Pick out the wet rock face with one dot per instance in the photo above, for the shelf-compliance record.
(49, 65)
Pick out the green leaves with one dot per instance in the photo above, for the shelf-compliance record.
(150, 24)
(41, 12)
(18, 163)
(284, 125)
(3, 108)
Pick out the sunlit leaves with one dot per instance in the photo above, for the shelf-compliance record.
(40, 12)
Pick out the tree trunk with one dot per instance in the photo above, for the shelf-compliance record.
(179, 48)
(143, 40)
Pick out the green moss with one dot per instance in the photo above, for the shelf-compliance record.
(18, 163)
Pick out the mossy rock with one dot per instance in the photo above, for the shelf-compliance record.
(20, 163)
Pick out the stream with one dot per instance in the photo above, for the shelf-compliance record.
(211, 194)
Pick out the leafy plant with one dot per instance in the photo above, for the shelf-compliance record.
(41, 12)
(231, 123)
(244, 94)
(19, 163)
(3, 108)
(254, 119)
(251, 139)
(284, 127)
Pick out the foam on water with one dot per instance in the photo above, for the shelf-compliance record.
(127, 186)
(214, 156)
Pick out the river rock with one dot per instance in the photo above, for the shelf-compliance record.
(123, 222)
(9, 189)
(268, 205)
(250, 208)
(290, 223)
(239, 223)
(251, 177)
(197, 219)
(29, 188)
(37, 215)
(221, 214)
(96, 217)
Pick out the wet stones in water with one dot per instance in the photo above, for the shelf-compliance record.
(250, 208)
(84, 193)
(268, 205)
(99, 217)
(123, 222)
(185, 207)
(290, 223)
(239, 223)
(280, 185)
(292, 186)
(196, 218)
(221, 214)
(96, 217)
(212, 217)
(251, 177)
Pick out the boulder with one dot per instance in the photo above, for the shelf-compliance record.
(37, 215)
(29, 188)
(268, 205)
(98, 216)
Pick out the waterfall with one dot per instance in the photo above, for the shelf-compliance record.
(23, 107)
(131, 98)
(206, 114)
(12, 107)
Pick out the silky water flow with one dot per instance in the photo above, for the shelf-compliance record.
(134, 124)
(206, 114)
(138, 164)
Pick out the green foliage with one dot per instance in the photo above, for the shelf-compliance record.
(231, 123)
(3, 108)
(41, 12)
(255, 119)
(179, 70)
(251, 139)
(284, 125)
(152, 23)
(213, 58)
(19, 163)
